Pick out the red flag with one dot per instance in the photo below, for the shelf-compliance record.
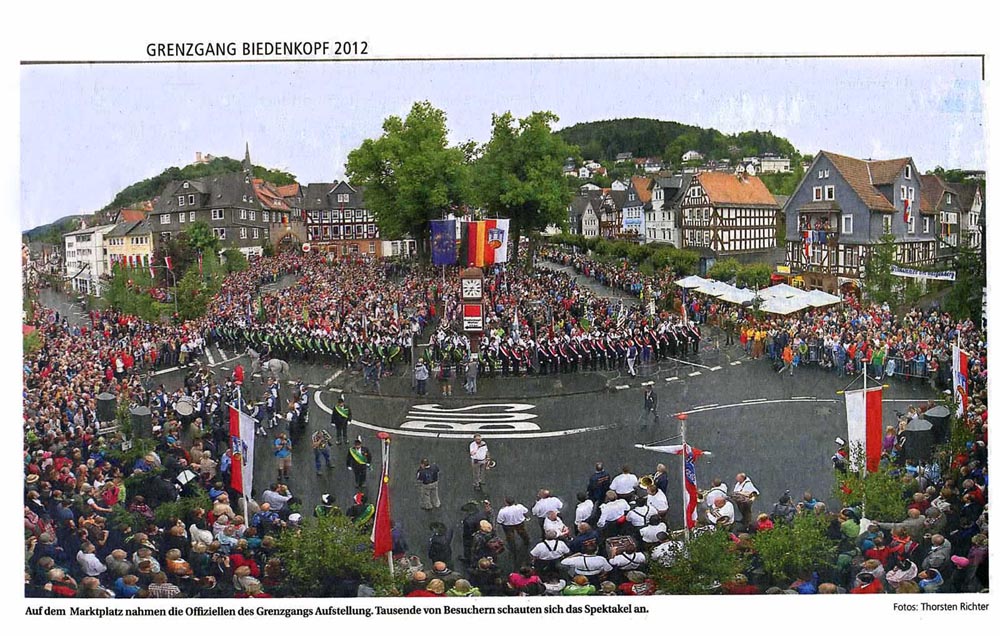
(906, 211)
(241, 444)
(381, 532)
(169, 261)
(864, 424)
(691, 455)
(960, 379)
(152, 272)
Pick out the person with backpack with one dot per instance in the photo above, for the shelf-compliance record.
(439, 543)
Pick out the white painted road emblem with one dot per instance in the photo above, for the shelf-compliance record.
(478, 418)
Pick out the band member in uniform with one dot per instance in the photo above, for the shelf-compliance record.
(359, 459)
(744, 493)
(721, 513)
(694, 334)
(340, 418)
(649, 406)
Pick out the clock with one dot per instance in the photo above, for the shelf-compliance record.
(472, 288)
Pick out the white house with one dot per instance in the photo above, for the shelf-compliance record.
(619, 186)
(770, 164)
(583, 172)
(85, 262)
(691, 155)
(661, 216)
(589, 187)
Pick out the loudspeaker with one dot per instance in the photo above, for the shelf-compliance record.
(142, 422)
(940, 419)
(107, 404)
(918, 440)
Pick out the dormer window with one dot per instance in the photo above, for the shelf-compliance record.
(947, 197)
(185, 186)
(906, 171)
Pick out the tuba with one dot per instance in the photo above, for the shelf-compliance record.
(646, 481)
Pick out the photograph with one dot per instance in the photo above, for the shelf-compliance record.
(548, 327)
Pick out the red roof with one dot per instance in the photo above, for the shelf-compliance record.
(722, 187)
(642, 188)
(131, 216)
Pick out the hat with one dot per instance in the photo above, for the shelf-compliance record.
(359, 498)
(32, 478)
(485, 526)
(960, 561)
(294, 517)
(436, 586)
(327, 499)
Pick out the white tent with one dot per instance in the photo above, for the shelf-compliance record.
(782, 291)
(690, 281)
(784, 306)
(819, 298)
(737, 296)
(714, 288)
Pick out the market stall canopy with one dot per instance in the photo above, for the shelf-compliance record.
(782, 291)
(819, 298)
(785, 306)
(714, 288)
(737, 296)
(690, 282)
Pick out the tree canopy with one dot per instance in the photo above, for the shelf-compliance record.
(519, 175)
(410, 174)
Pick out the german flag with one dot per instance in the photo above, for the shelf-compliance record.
(480, 248)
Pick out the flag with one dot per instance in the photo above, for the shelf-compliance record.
(241, 440)
(443, 242)
(621, 314)
(200, 270)
(169, 261)
(501, 234)
(152, 272)
(381, 532)
(691, 455)
(483, 239)
(864, 425)
(960, 378)
(906, 211)
(516, 327)
(684, 304)
(806, 243)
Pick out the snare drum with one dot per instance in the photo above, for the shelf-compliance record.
(184, 406)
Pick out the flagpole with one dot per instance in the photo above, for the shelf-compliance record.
(683, 456)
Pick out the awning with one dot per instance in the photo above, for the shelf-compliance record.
(714, 288)
(737, 296)
(785, 306)
(819, 298)
(690, 282)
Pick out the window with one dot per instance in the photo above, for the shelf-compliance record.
(354, 248)
(191, 216)
(325, 216)
(253, 215)
(906, 171)
(256, 233)
(911, 225)
(887, 224)
(829, 193)
(911, 198)
(927, 225)
(243, 215)
(335, 229)
(818, 193)
(244, 198)
(847, 224)
(164, 236)
(902, 192)
(336, 216)
(264, 216)
(219, 232)
(371, 247)
(348, 231)
(359, 231)
(343, 198)
(190, 199)
(243, 232)
(181, 217)
(371, 229)
(180, 200)
(348, 216)
(164, 219)
(947, 197)
(218, 215)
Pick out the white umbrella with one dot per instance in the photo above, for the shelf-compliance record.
(819, 298)
(713, 288)
(690, 281)
(737, 296)
(781, 291)
(784, 306)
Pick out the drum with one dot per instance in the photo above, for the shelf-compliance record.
(617, 545)
(184, 406)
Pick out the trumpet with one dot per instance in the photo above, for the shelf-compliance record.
(646, 481)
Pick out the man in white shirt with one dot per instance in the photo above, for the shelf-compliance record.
(721, 515)
(744, 493)
(547, 552)
(718, 490)
(511, 518)
(651, 532)
(479, 454)
(554, 523)
(624, 484)
(628, 559)
(612, 510)
(657, 500)
(584, 509)
(90, 565)
(639, 516)
(544, 502)
(591, 566)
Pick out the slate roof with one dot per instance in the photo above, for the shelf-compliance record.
(885, 171)
(219, 191)
(722, 187)
(966, 194)
(858, 176)
(130, 228)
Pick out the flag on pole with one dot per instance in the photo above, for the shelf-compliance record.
(516, 327)
(691, 455)
(501, 234)
(443, 242)
(169, 261)
(152, 272)
(381, 532)
(864, 425)
(806, 243)
(621, 314)
(960, 378)
(684, 304)
(906, 211)
(483, 238)
(241, 441)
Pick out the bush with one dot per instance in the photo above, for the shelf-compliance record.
(724, 270)
(701, 565)
(756, 276)
(235, 260)
(32, 342)
(788, 550)
(182, 508)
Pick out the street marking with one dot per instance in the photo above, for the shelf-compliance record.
(510, 417)
(650, 383)
(222, 354)
(162, 371)
(334, 376)
(211, 358)
(733, 364)
(461, 436)
(671, 379)
(715, 368)
(704, 406)
(729, 406)
(694, 373)
(803, 397)
(224, 368)
(754, 400)
(693, 364)
(621, 387)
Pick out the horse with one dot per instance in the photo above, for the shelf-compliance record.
(275, 368)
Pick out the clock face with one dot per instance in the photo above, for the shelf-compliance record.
(472, 288)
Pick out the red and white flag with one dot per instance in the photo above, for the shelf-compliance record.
(864, 425)
(960, 378)
(690, 480)
(169, 261)
(241, 438)
(152, 272)
(381, 531)
(906, 211)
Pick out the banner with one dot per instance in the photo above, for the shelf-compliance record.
(500, 234)
(443, 242)
(906, 272)
(381, 530)
(864, 426)
(691, 455)
(960, 378)
(483, 239)
(241, 442)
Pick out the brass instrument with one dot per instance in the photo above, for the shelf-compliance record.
(646, 481)
(490, 463)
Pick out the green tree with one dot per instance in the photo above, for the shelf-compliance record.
(880, 495)
(235, 260)
(880, 284)
(724, 270)
(193, 295)
(965, 300)
(128, 292)
(519, 175)
(32, 342)
(328, 549)
(788, 550)
(410, 174)
(201, 238)
(699, 565)
(755, 276)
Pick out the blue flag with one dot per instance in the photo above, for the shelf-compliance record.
(443, 242)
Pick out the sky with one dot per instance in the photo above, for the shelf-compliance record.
(87, 131)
